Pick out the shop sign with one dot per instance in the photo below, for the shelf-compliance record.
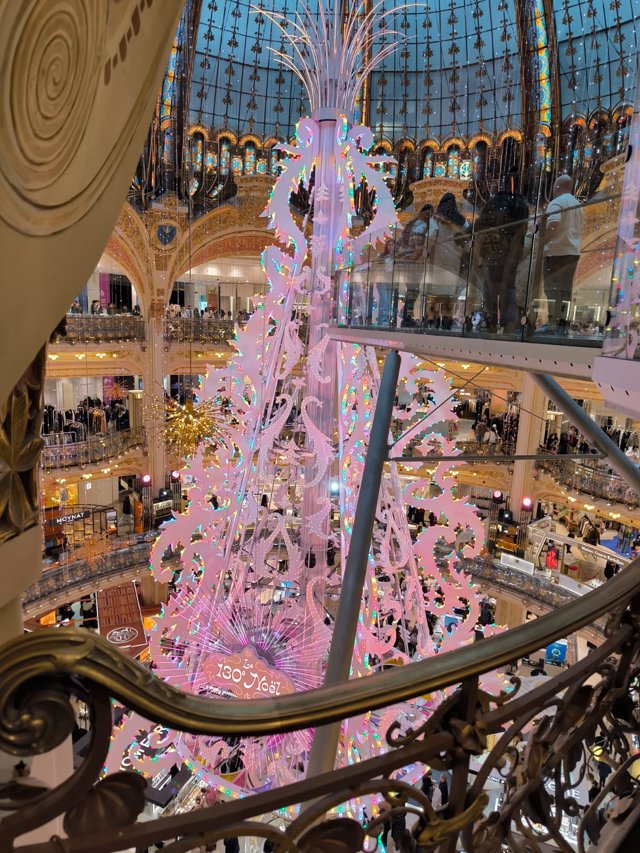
(556, 652)
(120, 620)
(118, 636)
(516, 563)
(246, 676)
(72, 516)
(580, 794)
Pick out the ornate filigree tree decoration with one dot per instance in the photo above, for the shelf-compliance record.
(251, 615)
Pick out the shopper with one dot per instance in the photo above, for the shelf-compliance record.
(444, 790)
(427, 785)
(413, 247)
(562, 240)
(592, 535)
(498, 249)
(398, 827)
(448, 251)
(384, 284)
(407, 843)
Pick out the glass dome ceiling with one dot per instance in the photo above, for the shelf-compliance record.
(460, 70)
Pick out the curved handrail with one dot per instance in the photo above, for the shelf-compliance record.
(68, 652)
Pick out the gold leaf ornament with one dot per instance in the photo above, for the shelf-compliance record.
(341, 835)
(19, 455)
(115, 801)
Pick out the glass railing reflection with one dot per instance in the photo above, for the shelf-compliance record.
(495, 275)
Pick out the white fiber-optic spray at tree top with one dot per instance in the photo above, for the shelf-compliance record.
(251, 614)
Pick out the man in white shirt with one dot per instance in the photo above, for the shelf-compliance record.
(562, 238)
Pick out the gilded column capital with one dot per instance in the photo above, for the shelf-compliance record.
(20, 447)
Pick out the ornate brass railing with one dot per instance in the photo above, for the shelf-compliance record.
(103, 328)
(198, 330)
(97, 448)
(126, 559)
(527, 738)
(130, 556)
(587, 478)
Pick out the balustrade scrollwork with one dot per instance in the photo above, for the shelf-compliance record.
(586, 477)
(198, 330)
(542, 742)
(104, 328)
(97, 448)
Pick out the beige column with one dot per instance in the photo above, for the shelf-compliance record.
(530, 436)
(20, 533)
(152, 381)
(53, 768)
(509, 614)
(21, 559)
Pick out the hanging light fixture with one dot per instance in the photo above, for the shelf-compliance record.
(188, 425)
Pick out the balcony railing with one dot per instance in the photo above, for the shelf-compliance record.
(128, 559)
(97, 448)
(491, 280)
(103, 328)
(586, 475)
(128, 554)
(588, 478)
(198, 330)
(541, 740)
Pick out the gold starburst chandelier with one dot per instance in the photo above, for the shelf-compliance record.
(185, 426)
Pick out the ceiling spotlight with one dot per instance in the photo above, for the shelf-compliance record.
(527, 503)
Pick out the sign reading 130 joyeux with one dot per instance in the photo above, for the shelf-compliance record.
(246, 675)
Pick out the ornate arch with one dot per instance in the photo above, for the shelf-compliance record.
(405, 142)
(199, 128)
(513, 133)
(224, 231)
(229, 134)
(384, 143)
(250, 137)
(479, 137)
(453, 140)
(129, 246)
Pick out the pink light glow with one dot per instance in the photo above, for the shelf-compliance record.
(249, 601)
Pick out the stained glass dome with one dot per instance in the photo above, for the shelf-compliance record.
(460, 70)
(476, 91)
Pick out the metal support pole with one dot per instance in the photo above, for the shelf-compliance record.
(325, 742)
(491, 457)
(616, 458)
